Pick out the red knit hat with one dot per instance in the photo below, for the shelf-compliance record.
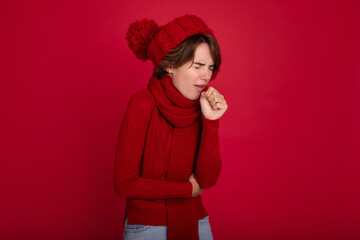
(149, 41)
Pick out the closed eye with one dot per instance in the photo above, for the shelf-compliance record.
(211, 69)
(199, 64)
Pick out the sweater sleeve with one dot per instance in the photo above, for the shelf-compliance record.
(208, 161)
(129, 150)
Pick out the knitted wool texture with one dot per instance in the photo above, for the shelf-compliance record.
(182, 113)
(147, 40)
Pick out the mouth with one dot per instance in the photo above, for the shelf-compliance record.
(200, 87)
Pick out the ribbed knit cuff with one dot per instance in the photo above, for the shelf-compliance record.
(210, 123)
(179, 189)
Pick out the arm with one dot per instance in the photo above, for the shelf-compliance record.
(208, 161)
(129, 151)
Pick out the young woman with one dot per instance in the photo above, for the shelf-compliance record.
(168, 148)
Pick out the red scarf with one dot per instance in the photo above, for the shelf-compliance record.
(185, 115)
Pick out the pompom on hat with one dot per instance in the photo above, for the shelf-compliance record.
(148, 40)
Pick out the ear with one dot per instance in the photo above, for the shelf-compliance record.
(169, 69)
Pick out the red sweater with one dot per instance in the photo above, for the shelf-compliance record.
(142, 160)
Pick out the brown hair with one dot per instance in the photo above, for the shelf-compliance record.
(185, 52)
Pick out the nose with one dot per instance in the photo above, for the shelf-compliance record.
(206, 75)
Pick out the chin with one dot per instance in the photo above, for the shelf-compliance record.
(195, 97)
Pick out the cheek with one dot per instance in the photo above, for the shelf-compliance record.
(186, 79)
(192, 75)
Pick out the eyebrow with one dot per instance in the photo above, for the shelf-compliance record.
(202, 64)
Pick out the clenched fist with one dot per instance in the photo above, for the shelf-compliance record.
(197, 189)
(213, 104)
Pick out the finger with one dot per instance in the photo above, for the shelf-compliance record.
(213, 101)
(218, 105)
(215, 94)
(216, 99)
(212, 95)
(214, 90)
(209, 91)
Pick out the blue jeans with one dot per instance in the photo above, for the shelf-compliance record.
(139, 232)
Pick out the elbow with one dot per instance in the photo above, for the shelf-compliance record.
(207, 181)
(120, 189)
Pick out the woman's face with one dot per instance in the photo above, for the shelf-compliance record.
(190, 80)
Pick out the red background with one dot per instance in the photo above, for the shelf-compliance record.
(289, 140)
